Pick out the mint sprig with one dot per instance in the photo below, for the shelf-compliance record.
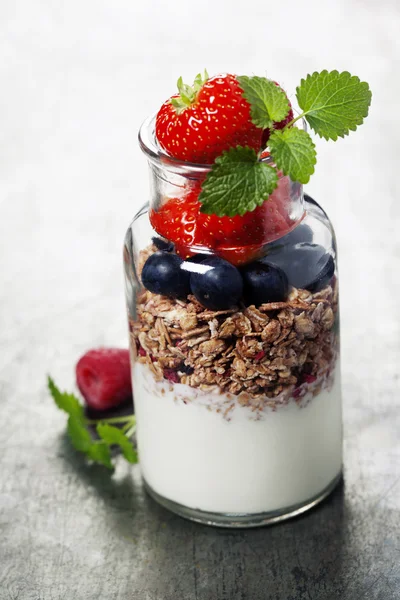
(113, 436)
(332, 103)
(98, 451)
(268, 101)
(237, 183)
(66, 402)
(293, 152)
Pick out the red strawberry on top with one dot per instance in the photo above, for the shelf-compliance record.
(202, 121)
(238, 239)
(104, 377)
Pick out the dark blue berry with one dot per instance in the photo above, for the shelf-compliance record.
(300, 234)
(163, 274)
(307, 266)
(216, 283)
(187, 369)
(264, 283)
(162, 244)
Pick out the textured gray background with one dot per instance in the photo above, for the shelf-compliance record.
(77, 78)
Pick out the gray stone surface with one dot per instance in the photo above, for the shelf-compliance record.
(77, 79)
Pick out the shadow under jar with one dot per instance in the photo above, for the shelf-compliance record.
(237, 393)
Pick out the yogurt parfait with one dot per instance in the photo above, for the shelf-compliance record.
(232, 297)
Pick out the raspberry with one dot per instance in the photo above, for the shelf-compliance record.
(104, 377)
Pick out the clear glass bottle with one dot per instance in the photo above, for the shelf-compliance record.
(239, 404)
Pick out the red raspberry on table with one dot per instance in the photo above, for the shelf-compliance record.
(104, 377)
(202, 121)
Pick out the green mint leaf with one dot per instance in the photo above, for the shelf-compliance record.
(333, 103)
(67, 402)
(79, 435)
(100, 453)
(82, 441)
(237, 183)
(114, 436)
(268, 101)
(294, 153)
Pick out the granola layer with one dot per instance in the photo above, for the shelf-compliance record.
(259, 352)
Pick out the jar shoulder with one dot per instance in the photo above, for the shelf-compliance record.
(314, 228)
(317, 219)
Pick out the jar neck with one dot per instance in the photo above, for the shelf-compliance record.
(174, 181)
(166, 185)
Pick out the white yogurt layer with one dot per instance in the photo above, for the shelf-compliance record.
(251, 463)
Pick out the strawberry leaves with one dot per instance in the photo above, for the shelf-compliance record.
(97, 450)
(187, 93)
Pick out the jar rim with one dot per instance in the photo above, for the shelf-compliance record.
(152, 149)
(150, 146)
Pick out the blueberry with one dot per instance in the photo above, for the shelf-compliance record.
(162, 244)
(216, 283)
(307, 266)
(264, 283)
(163, 274)
(300, 234)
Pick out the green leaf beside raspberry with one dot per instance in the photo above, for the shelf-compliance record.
(114, 436)
(78, 434)
(237, 183)
(66, 402)
(100, 453)
(97, 450)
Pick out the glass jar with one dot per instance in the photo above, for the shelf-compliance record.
(237, 394)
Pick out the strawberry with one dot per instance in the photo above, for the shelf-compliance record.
(179, 220)
(280, 125)
(198, 125)
(202, 121)
(104, 377)
(238, 239)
